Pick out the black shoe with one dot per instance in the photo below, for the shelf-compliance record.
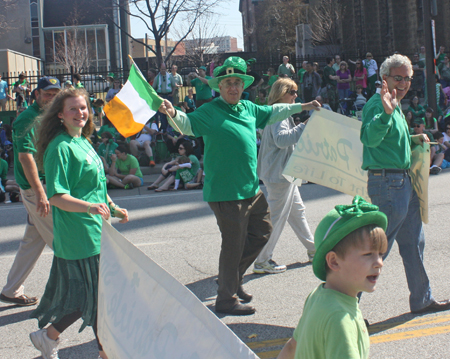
(366, 322)
(22, 301)
(238, 309)
(243, 295)
(434, 307)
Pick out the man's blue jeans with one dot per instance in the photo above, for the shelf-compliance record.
(394, 195)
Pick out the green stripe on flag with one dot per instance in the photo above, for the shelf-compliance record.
(143, 88)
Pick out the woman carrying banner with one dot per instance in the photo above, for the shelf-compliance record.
(285, 203)
(76, 188)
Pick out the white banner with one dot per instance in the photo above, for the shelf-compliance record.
(143, 312)
(329, 153)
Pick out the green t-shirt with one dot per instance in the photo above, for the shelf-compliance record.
(187, 174)
(229, 133)
(3, 170)
(331, 326)
(327, 71)
(202, 91)
(271, 82)
(386, 139)
(23, 141)
(300, 74)
(79, 85)
(73, 167)
(125, 166)
(111, 146)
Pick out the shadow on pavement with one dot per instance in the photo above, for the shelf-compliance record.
(391, 323)
(13, 317)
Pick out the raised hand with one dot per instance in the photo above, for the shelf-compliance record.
(388, 99)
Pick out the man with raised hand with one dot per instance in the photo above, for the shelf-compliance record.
(387, 157)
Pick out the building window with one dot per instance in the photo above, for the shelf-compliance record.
(35, 28)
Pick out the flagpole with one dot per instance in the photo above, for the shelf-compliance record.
(165, 110)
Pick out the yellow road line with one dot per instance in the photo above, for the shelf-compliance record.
(409, 324)
(409, 334)
(267, 343)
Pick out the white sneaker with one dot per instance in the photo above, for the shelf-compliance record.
(44, 344)
(270, 267)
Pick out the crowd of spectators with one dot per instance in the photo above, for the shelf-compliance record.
(340, 86)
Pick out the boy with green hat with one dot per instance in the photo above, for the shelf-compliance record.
(350, 243)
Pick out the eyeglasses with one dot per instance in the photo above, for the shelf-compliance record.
(399, 78)
(293, 92)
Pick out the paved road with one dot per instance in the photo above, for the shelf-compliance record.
(179, 232)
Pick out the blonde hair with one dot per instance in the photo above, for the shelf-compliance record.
(280, 88)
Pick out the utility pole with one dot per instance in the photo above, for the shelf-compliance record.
(430, 55)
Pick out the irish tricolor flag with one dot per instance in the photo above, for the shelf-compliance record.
(134, 105)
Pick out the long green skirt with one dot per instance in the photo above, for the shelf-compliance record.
(72, 286)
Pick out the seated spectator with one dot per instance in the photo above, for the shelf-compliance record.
(324, 102)
(417, 110)
(106, 149)
(435, 160)
(7, 185)
(124, 171)
(189, 102)
(109, 127)
(409, 117)
(6, 143)
(360, 99)
(169, 169)
(189, 173)
(430, 121)
(442, 148)
(143, 142)
(262, 98)
(117, 86)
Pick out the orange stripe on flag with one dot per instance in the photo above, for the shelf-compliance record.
(122, 118)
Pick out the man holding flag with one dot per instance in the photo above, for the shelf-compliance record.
(228, 127)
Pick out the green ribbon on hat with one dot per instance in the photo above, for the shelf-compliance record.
(358, 207)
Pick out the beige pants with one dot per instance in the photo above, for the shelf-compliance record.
(38, 233)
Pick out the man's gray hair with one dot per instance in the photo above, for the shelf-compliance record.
(394, 61)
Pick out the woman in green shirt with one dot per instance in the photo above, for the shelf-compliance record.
(76, 188)
(417, 110)
(124, 171)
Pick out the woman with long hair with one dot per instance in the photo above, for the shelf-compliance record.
(76, 188)
(286, 205)
(343, 83)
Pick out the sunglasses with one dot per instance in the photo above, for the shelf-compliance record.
(181, 148)
(448, 128)
(417, 126)
(293, 92)
(399, 78)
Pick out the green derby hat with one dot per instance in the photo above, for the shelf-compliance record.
(232, 67)
(341, 221)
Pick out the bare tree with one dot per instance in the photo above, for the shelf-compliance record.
(72, 52)
(203, 39)
(159, 16)
(326, 20)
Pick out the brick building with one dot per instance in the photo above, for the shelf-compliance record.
(381, 26)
